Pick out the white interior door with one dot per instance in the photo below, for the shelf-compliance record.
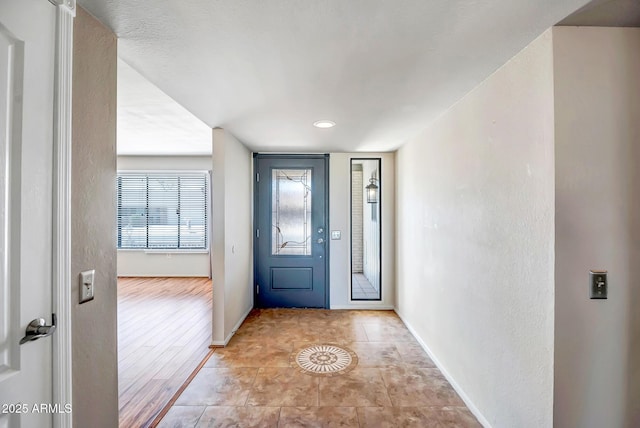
(27, 47)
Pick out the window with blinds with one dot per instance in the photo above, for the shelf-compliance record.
(162, 210)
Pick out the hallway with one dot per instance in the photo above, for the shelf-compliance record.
(386, 380)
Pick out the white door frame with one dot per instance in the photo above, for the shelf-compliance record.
(62, 301)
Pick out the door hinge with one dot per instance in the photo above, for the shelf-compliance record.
(257, 233)
(257, 289)
(258, 177)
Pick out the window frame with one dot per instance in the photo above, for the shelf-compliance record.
(169, 174)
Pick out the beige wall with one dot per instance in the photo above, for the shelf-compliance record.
(163, 263)
(164, 163)
(597, 342)
(93, 214)
(232, 238)
(339, 219)
(475, 230)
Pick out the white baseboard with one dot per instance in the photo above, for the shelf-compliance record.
(446, 374)
(358, 306)
(235, 328)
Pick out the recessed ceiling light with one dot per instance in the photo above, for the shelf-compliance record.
(324, 124)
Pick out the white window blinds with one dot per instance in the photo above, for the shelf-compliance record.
(162, 210)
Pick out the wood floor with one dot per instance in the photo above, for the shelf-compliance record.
(164, 330)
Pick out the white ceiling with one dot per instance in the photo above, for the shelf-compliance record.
(606, 13)
(150, 122)
(267, 69)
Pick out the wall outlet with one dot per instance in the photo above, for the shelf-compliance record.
(335, 234)
(86, 285)
(598, 284)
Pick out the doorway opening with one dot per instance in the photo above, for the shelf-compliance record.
(164, 159)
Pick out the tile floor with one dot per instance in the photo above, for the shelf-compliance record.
(251, 383)
(362, 288)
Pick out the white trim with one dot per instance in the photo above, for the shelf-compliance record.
(68, 5)
(11, 146)
(365, 306)
(62, 347)
(233, 330)
(446, 374)
(162, 251)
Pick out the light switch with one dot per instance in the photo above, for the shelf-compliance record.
(335, 234)
(86, 285)
(598, 284)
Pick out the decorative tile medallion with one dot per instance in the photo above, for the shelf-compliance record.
(324, 359)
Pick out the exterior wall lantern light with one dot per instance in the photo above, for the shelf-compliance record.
(372, 191)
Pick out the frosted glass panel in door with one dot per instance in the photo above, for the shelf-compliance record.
(291, 212)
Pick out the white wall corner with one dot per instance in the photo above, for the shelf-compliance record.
(218, 235)
(469, 234)
(472, 407)
(235, 328)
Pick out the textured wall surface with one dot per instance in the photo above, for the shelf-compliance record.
(140, 263)
(163, 264)
(93, 222)
(475, 229)
(597, 342)
(165, 163)
(232, 239)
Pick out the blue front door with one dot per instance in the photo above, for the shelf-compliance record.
(291, 231)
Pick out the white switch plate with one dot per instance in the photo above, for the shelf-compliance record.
(335, 234)
(86, 285)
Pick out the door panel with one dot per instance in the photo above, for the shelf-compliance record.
(292, 278)
(291, 223)
(27, 35)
